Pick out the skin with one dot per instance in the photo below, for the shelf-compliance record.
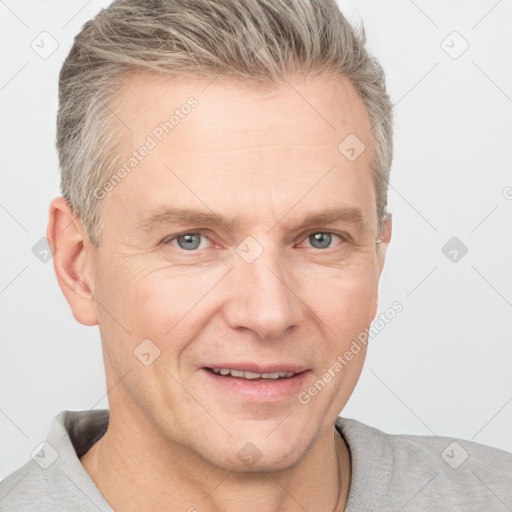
(262, 158)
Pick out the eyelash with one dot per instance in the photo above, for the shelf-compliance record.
(343, 236)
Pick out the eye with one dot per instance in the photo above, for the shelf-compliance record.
(322, 239)
(188, 241)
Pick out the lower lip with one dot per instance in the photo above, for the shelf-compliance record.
(259, 389)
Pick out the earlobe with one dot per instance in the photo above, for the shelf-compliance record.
(72, 260)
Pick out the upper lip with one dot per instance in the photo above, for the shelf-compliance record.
(258, 368)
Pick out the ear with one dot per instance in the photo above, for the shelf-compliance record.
(72, 260)
(385, 237)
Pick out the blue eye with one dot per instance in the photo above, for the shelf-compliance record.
(320, 240)
(195, 241)
(189, 241)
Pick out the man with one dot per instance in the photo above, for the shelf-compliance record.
(224, 172)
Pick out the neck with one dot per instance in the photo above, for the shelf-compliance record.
(137, 470)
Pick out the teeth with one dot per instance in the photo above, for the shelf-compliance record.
(252, 375)
(249, 375)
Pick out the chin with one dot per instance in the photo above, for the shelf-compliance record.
(245, 453)
(261, 461)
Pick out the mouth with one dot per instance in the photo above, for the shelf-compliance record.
(241, 374)
(256, 383)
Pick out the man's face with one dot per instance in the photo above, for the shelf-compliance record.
(260, 291)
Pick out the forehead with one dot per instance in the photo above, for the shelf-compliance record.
(329, 104)
(219, 143)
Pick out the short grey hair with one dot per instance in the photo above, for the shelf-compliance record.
(254, 41)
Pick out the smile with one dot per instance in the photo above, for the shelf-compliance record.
(254, 382)
(251, 375)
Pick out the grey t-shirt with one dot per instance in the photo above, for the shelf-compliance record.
(400, 473)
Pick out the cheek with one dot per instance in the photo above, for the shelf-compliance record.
(168, 306)
(357, 301)
(344, 299)
(134, 304)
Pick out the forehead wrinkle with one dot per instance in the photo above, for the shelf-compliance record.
(258, 148)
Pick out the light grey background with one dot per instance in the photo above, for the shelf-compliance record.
(442, 366)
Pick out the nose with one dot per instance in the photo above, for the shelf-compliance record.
(262, 298)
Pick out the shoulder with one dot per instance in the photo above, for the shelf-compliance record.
(431, 471)
(17, 490)
(54, 479)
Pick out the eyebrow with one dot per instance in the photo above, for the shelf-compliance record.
(350, 215)
(185, 216)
